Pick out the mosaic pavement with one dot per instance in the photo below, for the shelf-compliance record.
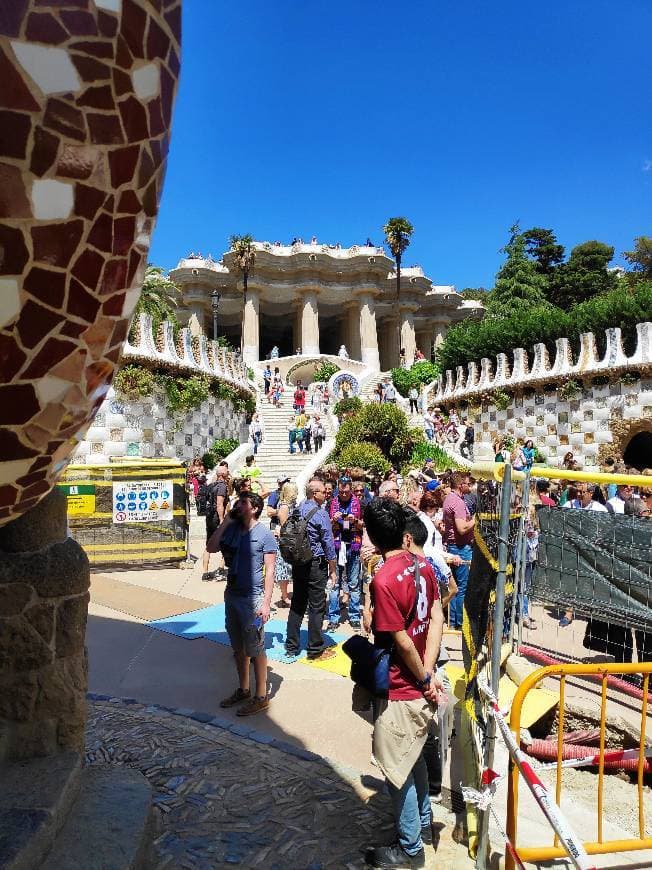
(239, 797)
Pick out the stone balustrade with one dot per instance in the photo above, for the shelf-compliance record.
(192, 355)
(459, 386)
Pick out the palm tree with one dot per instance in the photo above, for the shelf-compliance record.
(158, 297)
(244, 255)
(398, 231)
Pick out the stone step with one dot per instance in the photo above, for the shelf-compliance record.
(35, 799)
(109, 826)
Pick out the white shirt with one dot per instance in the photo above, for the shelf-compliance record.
(596, 506)
(431, 548)
(617, 504)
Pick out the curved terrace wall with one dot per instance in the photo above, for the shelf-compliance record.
(145, 427)
(592, 405)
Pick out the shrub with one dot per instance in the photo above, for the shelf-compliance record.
(386, 426)
(134, 382)
(325, 372)
(569, 390)
(364, 455)
(183, 394)
(219, 449)
(501, 400)
(539, 455)
(422, 372)
(426, 450)
(345, 406)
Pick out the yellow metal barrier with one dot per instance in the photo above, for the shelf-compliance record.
(601, 846)
(496, 470)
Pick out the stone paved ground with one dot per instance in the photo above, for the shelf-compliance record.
(226, 799)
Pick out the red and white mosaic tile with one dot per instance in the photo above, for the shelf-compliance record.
(86, 97)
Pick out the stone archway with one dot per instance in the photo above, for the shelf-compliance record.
(638, 452)
(632, 443)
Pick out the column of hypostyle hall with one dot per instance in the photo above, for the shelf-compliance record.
(44, 580)
(87, 95)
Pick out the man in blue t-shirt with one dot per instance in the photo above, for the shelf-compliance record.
(249, 550)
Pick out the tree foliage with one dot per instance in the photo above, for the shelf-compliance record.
(422, 372)
(519, 285)
(542, 246)
(640, 259)
(159, 297)
(583, 276)
(398, 232)
(623, 307)
(324, 372)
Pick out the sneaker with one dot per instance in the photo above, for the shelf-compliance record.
(253, 705)
(355, 623)
(394, 856)
(332, 626)
(426, 835)
(236, 698)
(207, 576)
(323, 656)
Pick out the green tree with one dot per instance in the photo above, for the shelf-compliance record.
(640, 259)
(519, 286)
(244, 256)
(159, 297)
(543, 247)
(584, 275)
(398, 232)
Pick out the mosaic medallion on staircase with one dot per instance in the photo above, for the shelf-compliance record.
(85, 108)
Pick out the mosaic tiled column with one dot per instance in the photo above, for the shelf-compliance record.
(86, 95)
(85, 108)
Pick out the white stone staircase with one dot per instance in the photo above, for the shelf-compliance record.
(273, 457)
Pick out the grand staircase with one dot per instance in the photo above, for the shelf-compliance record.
(273, 456)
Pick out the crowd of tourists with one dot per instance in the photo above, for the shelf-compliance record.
(363, 537)
(391, 557)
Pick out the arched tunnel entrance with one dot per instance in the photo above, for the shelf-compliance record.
(638, 452)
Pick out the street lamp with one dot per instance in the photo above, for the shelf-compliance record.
(215, 304)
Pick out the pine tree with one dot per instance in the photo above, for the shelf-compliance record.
(519, 285)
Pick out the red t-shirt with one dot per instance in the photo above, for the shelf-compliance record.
(455, 506)
(392, 595)
(547, 501)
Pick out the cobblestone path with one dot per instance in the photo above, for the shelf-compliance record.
(225, 800)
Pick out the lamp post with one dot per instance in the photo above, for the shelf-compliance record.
(215, 304)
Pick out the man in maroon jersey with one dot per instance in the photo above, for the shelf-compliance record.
(407, 617)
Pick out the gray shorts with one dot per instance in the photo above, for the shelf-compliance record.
(240, 613)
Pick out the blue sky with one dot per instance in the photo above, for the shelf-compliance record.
(302, 117)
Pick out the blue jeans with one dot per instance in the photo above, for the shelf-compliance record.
(461, 575)
(348, 578)
(412, 807)
(524, 603)
(291, 440)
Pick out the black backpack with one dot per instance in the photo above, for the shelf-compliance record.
(203, 500)
(294, 542)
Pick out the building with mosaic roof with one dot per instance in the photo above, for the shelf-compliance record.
(316, 298)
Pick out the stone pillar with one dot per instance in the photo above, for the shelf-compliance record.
(353, 325)
(408, 342)
(439, 328)
(44, 580)
(251, 327)
(390, 348)
(309, 324)
(368, 333)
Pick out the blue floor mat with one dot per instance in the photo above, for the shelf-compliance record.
(209, 623)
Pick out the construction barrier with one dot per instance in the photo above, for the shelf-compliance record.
(130, 513)
(603, 757)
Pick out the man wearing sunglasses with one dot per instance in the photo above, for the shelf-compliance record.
(346, 517)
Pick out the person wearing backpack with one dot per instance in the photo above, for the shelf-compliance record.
(215, 497)
(306, 542)
(299, 399)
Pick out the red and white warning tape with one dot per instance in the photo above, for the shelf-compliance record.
(567, 836)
